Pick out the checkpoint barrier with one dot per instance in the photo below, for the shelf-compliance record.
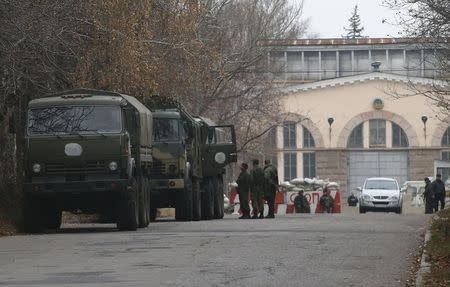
(284, 201)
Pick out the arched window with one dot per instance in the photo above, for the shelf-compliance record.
(356, 137)
(399, 138)
(377, 133)
(289, 135)
(446, 138)
(308, 140)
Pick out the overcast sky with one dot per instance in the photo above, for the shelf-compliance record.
(329, 17)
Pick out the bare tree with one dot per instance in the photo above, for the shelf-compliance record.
(428, 23)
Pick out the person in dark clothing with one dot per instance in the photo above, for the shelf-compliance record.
(326, 201)
(352, 200)
(244, 182)
(271, 184)
(301, 203)
(429, 197)
(257, 189)
(438, 188)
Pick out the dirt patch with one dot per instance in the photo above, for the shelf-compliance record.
(438, 249)
(7, 228)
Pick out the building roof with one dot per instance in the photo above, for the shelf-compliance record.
(374, 76)
(343, 41)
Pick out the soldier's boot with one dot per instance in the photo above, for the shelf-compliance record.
(255, 216)
(261, 215)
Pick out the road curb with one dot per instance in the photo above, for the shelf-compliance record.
(424, 265)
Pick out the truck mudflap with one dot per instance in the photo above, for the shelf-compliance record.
(77, 186)
(158, 184)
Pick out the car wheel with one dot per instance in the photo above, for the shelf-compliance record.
(362, 209)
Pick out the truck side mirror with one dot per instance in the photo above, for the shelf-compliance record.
(359, 188)
(210, 135)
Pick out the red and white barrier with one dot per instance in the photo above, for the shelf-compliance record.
(284, 202)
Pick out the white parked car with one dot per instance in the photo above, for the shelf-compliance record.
(380, 193)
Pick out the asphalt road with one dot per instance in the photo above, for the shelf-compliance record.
(372, 249)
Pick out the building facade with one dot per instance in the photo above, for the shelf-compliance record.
(355, 122)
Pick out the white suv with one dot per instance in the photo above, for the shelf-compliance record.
(380, 193)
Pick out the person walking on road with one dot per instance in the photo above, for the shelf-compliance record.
(257, 189)
(429, 197)
(271, 184)
(326, 201)
(244, 181)
(439, 192)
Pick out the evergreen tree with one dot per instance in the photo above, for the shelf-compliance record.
(355, 28)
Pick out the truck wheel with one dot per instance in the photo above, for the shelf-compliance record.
(218, 202)
(208, 200)
(32, 215)
(183, 203)
(129, 208)
(52, 216)
(399, 210)
(196, 200)
(143, 203)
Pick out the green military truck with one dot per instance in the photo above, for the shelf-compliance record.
(87, 151)
(189, 159)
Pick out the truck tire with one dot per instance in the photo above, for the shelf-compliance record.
(208, 200)
(32, 215)
(144, 206)
(218, 202)
(399, 210)
(184, 203)
(129, 208)
(52, 216)
(196, 200)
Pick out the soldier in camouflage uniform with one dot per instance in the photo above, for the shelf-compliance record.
(257, 189)
(244, 181)
(270, 190)
(326, 201)
(301, 203)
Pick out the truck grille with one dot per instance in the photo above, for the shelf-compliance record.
(158, 168)
(380, 197)
(90, 167)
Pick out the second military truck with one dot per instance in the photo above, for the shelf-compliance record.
(189, 159)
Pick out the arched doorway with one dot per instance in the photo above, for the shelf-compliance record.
(377, 148)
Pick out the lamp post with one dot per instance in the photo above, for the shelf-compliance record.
(424, 121)
(330, 122)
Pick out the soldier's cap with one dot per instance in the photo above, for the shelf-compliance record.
(427, 179)
(438, 175)
(255, 161)
(244, 165)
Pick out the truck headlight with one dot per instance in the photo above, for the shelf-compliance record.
(366, 197)
(395, 197)
(36, 168)
(113, 166)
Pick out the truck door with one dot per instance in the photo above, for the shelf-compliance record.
(221, 145)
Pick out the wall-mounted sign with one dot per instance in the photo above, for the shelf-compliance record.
(378, 104)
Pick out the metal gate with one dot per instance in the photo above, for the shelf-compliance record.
(364, 164)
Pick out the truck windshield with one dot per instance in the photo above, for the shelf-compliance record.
(381, 184)
(165, 129)
(74, 119)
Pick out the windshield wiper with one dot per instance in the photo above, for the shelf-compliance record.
(99, 133)
(77, 133)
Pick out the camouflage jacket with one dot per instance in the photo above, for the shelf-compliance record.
(258, 178)
(271, 175)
